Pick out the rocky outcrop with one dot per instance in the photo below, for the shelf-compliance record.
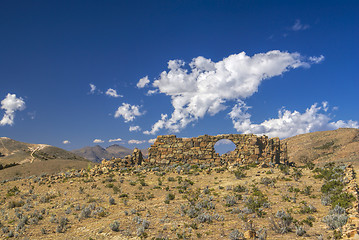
(350, 229)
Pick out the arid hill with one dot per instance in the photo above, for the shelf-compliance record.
(97, 153)
(341, 145)
(18, 159)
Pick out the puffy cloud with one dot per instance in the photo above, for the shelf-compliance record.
(143, 82)
(158, 125)
(209, 85)
(98, 141)
(112, 93)
(152, 140)
(134, 128)
(66, 142)
(299, 26)
(128, 112)
(133, 141)
(288, 123)
(92, 88)
(115, 140)
(11, 104)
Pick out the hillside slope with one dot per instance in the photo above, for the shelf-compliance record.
(97, 153)
(337, 145)
(19, 159)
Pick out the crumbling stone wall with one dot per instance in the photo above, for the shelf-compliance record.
(249, 148)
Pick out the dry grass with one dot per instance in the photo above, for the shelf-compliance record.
(194, 204)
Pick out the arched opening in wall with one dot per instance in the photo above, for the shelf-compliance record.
(224, 146)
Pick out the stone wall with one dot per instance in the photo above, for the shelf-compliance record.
(249, 148)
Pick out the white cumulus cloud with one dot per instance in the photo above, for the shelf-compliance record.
(152, 140)
(288, 123)
(143, 82)
(128, 112)
(133, 141)
(11, 104)
(112, 93)
(66, 142)
(98, 141)
(135, 128)
(115, 140)
(208, 86)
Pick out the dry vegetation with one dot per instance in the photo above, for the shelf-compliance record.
(178, 202)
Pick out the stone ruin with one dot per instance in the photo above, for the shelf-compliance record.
(198, 150)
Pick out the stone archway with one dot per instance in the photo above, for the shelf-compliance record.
(249, 148)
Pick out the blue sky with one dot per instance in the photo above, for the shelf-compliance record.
(278, 68)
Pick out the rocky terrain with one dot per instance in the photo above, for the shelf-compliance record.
(127, 198)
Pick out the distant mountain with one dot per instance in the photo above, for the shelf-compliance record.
(320, 147)
(97, 153)
(25, 159)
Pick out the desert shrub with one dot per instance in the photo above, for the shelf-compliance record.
(307, 190)
(68, 210)
(171, 179)
(239, 188)
(257, 202)
(43, 231)
(282, 226)
(343, 200)
(326, 200)
(114, 226)
(111, 200)
(142, 182)
(284, 169)
(145, 224)
(332, 187)
(116, 189)
(336, 218)
(309, 221)
(230, 200)
(205, 204)
(329, 172)
(206, 190)
(299, 231)
(62, 225)
(85, 213)
(170, 196)
(236, 235)
(239, 174)
(218, 217)
(267, 181)
(297, 174)
(304, 208)
(12, 191)
(204, 218)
